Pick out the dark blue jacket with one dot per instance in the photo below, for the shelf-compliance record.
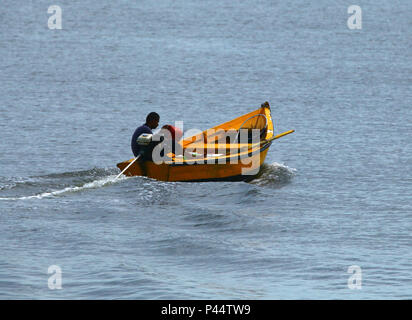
(142, 129)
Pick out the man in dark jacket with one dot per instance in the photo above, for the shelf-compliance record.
(152, 121)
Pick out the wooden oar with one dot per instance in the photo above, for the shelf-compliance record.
(126, 167)
(273, 138)
(278, 136)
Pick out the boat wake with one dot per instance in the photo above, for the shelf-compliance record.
(275, 175)
(39, 187)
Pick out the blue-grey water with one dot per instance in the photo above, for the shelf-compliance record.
(335, 194)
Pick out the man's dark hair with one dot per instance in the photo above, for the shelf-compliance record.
(152, 116)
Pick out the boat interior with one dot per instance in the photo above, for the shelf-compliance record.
(239, 136)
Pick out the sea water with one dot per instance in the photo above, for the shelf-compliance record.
(331, 215)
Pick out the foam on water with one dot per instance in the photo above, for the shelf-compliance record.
(274, 175)
(98, 183)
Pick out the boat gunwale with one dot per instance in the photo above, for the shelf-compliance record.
(228, 158)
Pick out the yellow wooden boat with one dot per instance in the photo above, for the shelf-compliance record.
(212, 155)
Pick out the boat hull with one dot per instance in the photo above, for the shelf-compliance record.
(246, 169)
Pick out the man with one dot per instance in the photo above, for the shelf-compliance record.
(152, 121)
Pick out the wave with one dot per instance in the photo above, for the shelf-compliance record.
(274, 175)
